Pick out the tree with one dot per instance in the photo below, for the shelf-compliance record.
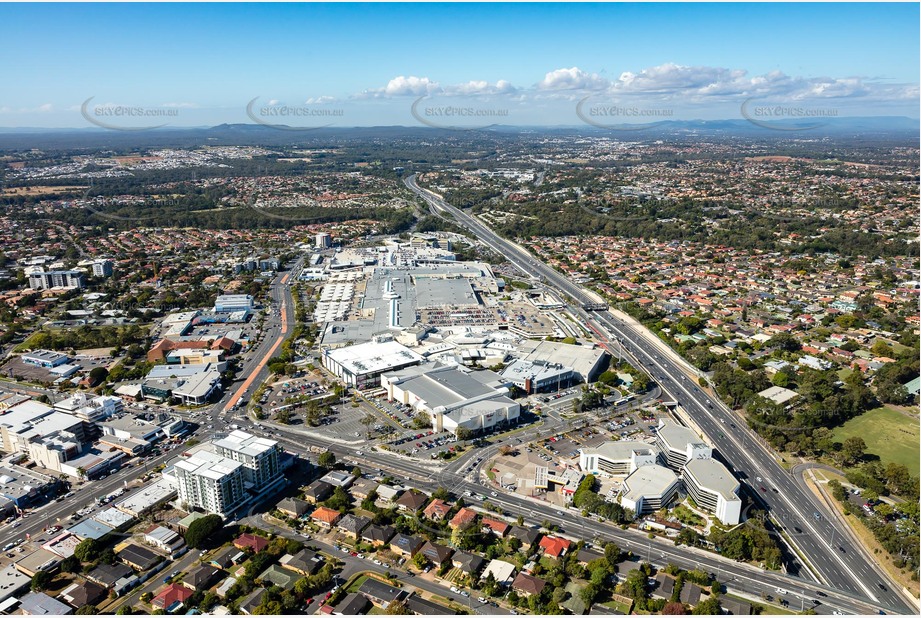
(86, 550)
(853, 449)
(98, 375)
(327, 459)
(463, 433)
(441, 494)
(368, 420)
(71, 564)
(674, 609)
(87, 610)
(200, 530)
(146, 597)
(41, 580)
(124, 610)
(710, 607)
(398, 608)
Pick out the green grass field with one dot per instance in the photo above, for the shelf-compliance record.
(888, 433)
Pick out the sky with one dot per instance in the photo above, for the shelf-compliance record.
(457, 65)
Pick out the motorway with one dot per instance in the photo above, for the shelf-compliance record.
(827, 550)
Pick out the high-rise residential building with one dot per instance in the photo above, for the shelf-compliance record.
(210, 482)
(102, 268)
(324, 241)
(260, 458)
(43, 280)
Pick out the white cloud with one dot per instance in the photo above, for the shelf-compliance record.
(572, 79)
(701, 83)
(319, 100)
(475, 87)
(403, 86)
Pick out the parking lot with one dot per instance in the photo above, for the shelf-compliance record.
(298, 388)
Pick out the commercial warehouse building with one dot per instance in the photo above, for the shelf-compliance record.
(232, 303)
(453, 398)
(360, 366)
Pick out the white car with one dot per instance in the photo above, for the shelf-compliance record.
(781, 591)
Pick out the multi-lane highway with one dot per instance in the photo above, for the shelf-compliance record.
(824, 546)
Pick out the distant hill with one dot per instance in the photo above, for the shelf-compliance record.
(246, 134)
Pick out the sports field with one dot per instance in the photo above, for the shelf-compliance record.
(891, 435)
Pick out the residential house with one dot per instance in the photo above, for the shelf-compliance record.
(293, 507)
(325, 517)
(109, 574)
(362, 489)
(317, 492)
(435, 553)
(527, 585)
(227, 557)
(202, 577)
(377, 535)
(469, 564)
(411, 501)
(527, 536)
(305, 562)
(352, 525)
(353, 604)
(423, 607)
(250, 542)
(250, 602)
(171, 598)
(84, 593)
(405, 546)
(495, 526)
(462, 518)
(503, 572)
(437, 510)
(381, 594)
(554, 546)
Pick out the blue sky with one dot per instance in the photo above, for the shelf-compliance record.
(366, 64)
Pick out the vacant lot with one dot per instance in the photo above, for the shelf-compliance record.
(890, 434)
(29, 191)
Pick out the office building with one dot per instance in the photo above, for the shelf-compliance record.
(679, 445)
(714, 488)
(649, 488)
(324, 240)
(618, 458)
